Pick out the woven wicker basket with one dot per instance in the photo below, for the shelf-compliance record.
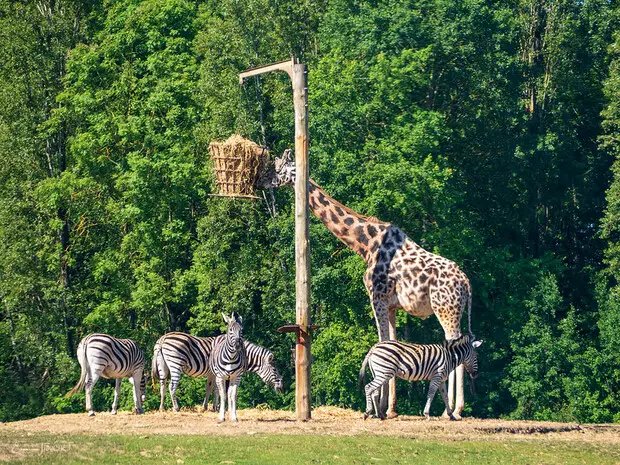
(238, 163)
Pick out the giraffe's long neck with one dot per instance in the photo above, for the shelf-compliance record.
(360, 233)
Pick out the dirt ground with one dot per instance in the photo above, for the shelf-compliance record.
(325, 421)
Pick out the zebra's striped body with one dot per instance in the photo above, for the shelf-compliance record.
(414, 362)
(178, 353)
(260, 361)
(105, 356)
(228, 362)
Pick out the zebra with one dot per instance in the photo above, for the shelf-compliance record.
(176, 353)
(414, 362)
(110, 358)
(260, 361)
(228, 362)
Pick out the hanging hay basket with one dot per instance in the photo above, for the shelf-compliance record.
(238, 164)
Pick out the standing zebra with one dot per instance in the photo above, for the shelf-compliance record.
(260, 361)
(177, 353)
(414, 362)
(228, 362)
(110, 358)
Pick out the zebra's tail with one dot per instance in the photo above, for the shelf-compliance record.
(154, 367)
(85, 368)
(360, 383)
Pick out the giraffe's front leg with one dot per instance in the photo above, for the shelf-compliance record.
(391, 407)
(460, 392)
(381, 312)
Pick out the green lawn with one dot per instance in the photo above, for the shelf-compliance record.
(280, 449)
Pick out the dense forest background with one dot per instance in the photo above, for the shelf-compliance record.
(488, 130)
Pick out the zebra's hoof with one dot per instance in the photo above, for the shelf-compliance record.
(161, 409)
(220, 421)
(175, 410)
(427, 417)
(366, 415)
(91, 414)
(113, 412)
(140, 412)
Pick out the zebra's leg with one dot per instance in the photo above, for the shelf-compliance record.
(175, 377)
(232, 398)
(374, 391)
(88, 389)
(444, 395)
(216, 399)
(221, 386)
(208, 389)
(162, 393)
(135, 384)
(459, 405)
(117, 391)
(432, 389)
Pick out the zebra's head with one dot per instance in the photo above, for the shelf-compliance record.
(269, 373)
(282, 172)
(470, 360)
(234, 333)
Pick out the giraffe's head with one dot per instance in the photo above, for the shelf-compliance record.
(281, 173)
(234, 332)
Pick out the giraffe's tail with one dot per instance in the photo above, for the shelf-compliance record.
(469, 311)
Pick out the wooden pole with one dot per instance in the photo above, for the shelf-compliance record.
(299, 77)
(302, 251)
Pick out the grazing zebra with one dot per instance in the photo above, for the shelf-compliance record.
(110, 358)
(178, 353)
(260, 361)
(414, 362)
(228, 362)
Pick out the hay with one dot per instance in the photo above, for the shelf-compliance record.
(238, 164)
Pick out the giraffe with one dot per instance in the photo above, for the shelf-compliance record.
(399, 273)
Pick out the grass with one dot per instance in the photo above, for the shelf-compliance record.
(291, 449)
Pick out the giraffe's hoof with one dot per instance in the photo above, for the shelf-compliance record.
(392, 414)
(427, 417)
(161, 409)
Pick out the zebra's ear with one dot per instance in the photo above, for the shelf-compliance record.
(477, 344)
(226, 319)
